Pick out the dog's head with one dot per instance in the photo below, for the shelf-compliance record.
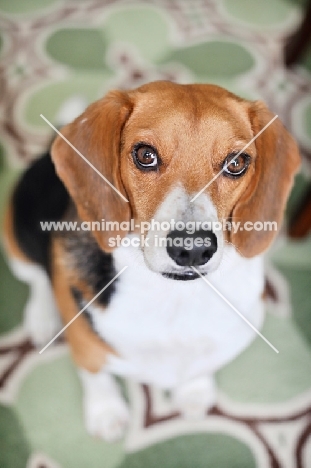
(161, 144)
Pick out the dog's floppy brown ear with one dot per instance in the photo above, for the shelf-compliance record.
(96, 134)
(276, 163)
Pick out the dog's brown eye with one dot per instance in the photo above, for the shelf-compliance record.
(235, 164)
(145, 157)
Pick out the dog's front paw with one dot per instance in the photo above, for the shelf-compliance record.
(195, 398)
(106, 418)
(106, 413)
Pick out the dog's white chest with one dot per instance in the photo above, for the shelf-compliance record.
(167, 332)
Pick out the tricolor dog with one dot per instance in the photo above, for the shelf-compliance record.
(159, 322)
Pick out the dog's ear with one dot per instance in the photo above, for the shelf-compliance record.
(265, 198)
(96, 134)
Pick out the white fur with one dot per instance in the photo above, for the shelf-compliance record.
(176, 334)
(195, 397)
(168, 332)
(172, 334)
(176, 206)
(41, 317)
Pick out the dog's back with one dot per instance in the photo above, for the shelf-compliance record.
(39, 196)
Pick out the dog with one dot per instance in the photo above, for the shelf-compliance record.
(158, 323)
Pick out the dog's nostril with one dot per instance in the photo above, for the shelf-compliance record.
(182, 257)
(183, 254)
(206, 255)
(191, 249)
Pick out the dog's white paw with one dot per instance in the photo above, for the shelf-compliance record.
(106, 418)
(195, 398)
(105, 411)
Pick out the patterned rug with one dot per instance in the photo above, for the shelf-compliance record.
(56, 51)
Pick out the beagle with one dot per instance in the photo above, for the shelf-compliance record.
(159, 322)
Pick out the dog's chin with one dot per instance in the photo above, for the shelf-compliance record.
(187, 275)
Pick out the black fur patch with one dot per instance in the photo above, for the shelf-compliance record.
(94, 266)
(39, 196)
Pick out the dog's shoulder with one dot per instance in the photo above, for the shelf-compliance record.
(91, 268)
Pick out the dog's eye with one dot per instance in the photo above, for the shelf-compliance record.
(145, 157)
(235, 165)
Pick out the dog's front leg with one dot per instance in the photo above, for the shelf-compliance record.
(195, 397)
(105, 411)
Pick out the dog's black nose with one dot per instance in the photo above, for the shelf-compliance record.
(191, 249)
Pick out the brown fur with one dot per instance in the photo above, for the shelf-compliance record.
(98, 139)
(265, 198)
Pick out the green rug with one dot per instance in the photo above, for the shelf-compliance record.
(52, 51)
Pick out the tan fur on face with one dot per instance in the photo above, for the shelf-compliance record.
(193, 128)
